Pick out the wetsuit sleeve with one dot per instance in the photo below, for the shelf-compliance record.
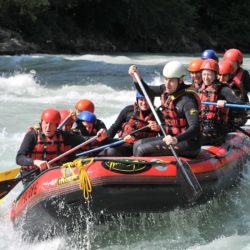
(189, 108)
(152, 91)
(72, 139)
(229, 95)
(100, 124)
(246, 81)
(122, 118)
(26, 148)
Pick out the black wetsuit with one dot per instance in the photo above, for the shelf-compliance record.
(188, 142)
(125, 149)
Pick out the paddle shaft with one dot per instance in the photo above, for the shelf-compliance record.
(63, 122)
(242, 130)
(232, 106)
(101, 147)
(164, 133)
(110, 144)
(73, 149)
(229, 105)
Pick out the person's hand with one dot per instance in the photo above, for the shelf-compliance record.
(73, 115)
(221, 103)
(101, 135)
(42, 165)
(132, 70)
(129, 139)
(170, 140)
(153, 125)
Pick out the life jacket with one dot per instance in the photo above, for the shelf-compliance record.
(47, 148)
(211, 113)
(176, 125)
(137, 121)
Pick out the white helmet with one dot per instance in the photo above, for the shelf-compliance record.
(174, 69)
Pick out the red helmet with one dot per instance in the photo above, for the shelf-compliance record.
(51, 116)
(65, 113)
(226, 67)
(195, 65)
(233, 55)
(85, 105)
(210, 64)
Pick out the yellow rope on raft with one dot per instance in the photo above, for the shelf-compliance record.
(84, 180)
(68, 165)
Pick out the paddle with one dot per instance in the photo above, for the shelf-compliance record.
(241, 130)
(9, 174)
(111, 144)
(229, 105)
(63, 122)
(7, 185)
(232, 106)
(188, 180)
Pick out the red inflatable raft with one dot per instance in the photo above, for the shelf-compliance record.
(68, 194)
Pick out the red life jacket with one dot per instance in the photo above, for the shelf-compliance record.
(136, 121)
(175, 125)
(236, 83)
(209, 112)
(47, 148)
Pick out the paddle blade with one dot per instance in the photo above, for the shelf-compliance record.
(189, 183)
(9, 174)
(7, 186)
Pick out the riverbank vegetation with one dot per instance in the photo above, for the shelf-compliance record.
(75, 26)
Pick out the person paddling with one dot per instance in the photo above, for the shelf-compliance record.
(132, 118)
(43, 143)
(180, 108)
(214, 118)
(236, 117)
(86, 125)
(241, 79)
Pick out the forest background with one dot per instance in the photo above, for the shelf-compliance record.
(80, 26)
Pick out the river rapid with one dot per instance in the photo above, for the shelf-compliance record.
(31, 83)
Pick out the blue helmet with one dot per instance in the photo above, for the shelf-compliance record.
(87, 116)
(209, 54)
(138, 95)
